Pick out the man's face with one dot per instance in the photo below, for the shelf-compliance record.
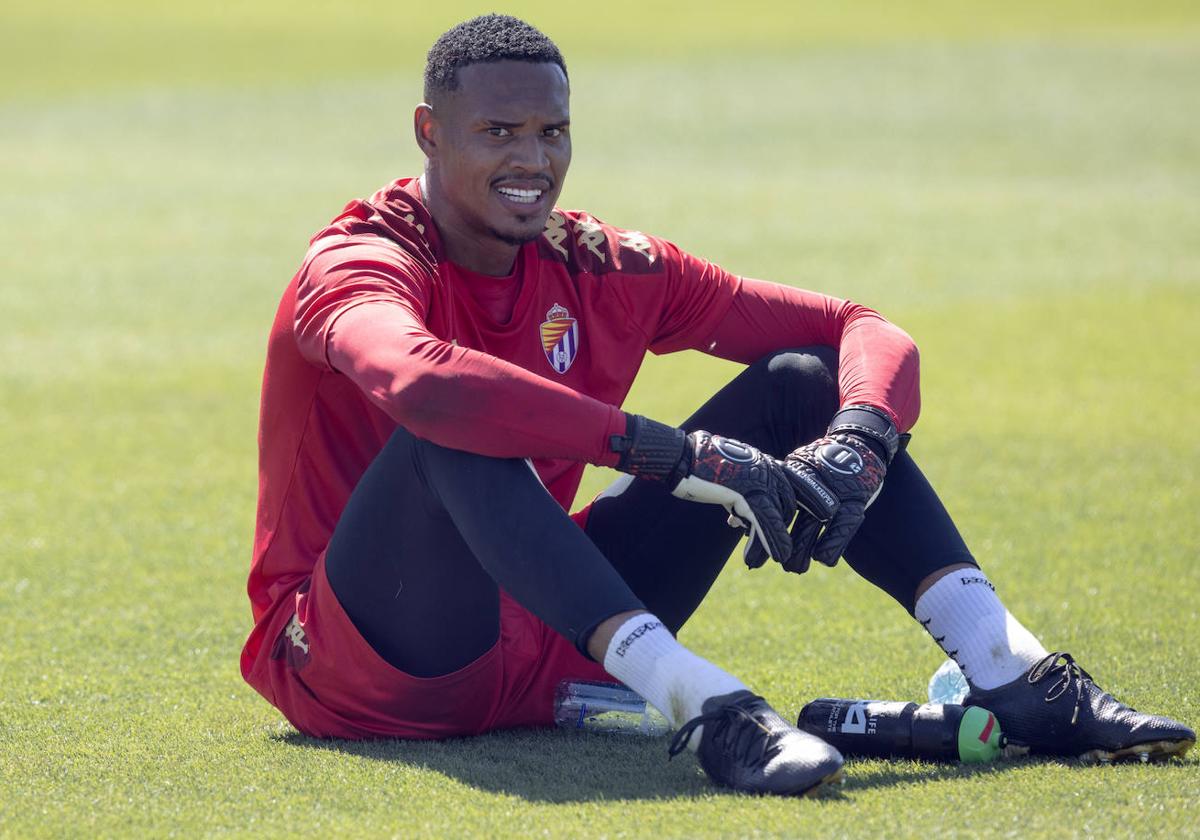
(498, 150)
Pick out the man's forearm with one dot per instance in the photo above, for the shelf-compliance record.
(466, 399)
(878, 362)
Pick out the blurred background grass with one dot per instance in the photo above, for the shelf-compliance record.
(1017, 185)
(86, 45)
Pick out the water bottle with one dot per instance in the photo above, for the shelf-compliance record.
(935, 731)
(948, 685)
(587, 706)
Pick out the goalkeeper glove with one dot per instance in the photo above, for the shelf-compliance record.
(701, 467)
(835, 479)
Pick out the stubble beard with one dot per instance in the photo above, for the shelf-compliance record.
(517, 240)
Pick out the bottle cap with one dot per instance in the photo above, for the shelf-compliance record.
(979, 737)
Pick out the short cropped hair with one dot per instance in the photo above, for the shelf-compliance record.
(482, 40)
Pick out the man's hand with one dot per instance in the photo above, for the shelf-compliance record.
(752, 486)
(701, 467)
(835, 479)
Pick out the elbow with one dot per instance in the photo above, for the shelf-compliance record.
(418, 401)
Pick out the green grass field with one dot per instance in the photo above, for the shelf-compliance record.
(1017, 186)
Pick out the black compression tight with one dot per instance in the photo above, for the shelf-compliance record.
(430, 534)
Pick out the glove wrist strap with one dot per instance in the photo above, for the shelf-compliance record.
(870, 423)
(650, 449)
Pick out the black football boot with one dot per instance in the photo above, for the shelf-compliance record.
(1056, 709)
(747, 746)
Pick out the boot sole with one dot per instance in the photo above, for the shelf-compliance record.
(1150, 751)
(836, 777)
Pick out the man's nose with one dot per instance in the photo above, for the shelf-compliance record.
(529, 154)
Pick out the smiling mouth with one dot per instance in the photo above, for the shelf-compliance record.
(520, 196)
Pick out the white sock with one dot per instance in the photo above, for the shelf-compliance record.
(646, 657)
(964, 616)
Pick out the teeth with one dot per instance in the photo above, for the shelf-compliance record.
(522, 196)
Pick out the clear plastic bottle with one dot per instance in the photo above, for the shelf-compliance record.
(587, 706)
(948, 685)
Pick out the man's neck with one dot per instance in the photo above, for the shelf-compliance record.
(493, 257)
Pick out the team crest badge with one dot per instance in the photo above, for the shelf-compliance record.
(560, 338)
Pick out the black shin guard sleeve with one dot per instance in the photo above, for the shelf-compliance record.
(532, 549)
(906, 536)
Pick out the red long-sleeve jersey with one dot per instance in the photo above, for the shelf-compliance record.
(378, 329)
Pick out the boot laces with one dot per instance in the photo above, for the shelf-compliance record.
(749, 735)
(1069, 675)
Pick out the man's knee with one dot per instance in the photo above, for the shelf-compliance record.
(443, 472)
(808, 374)
(405, 447)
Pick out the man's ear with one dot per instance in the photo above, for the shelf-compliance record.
(425, 128)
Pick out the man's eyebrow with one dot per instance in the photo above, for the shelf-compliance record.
(508, 124)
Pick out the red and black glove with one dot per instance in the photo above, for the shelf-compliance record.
(753, 487)
(835, 479)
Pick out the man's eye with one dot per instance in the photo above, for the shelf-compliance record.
(499, 131)
(552, 132)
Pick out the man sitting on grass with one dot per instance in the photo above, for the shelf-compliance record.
(450, 355)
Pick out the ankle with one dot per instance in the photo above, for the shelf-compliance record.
(644, 655)
(966, 618)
